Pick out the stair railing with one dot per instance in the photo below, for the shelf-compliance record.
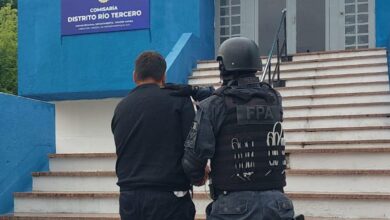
(281, 54)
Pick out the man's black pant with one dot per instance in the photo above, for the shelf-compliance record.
(155, 205)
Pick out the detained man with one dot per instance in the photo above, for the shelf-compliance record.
(150, 126)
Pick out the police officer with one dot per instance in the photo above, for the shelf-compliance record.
(239, 129)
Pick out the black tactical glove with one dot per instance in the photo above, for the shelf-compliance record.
(196, 92)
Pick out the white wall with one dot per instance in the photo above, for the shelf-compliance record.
(85, 126)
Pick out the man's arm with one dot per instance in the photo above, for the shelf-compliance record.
(187, 116)
(200, 143)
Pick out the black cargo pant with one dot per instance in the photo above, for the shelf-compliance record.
(155, 205)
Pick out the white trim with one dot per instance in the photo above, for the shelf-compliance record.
(291, 6)
(327, 25)
(334, 25)
(249, 19)
(371, 24)
(256, 9)
(216, 26)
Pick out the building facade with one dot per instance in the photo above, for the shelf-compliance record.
(91, 66)
(86, 75)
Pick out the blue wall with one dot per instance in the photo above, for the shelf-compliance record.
(382, 11)
(27, 135)
(52, 67)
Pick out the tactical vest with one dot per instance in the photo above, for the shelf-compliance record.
(250, 149)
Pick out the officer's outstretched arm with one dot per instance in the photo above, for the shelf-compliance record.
(196, 92)
(199, 147)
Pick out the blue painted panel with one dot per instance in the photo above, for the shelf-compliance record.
(182, 58)
(52, 67)
(382, 16)
(27, 135)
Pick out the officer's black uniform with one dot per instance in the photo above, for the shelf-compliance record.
(239, 128)
(150, 126)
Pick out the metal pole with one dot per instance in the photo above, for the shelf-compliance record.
(269, 72)
(285, 35)
(279, 50)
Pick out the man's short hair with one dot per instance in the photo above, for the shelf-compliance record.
(150, 64)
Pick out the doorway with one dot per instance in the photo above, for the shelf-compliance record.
(312, 25)
(255, 19)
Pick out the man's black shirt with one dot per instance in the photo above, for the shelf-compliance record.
(150, 127)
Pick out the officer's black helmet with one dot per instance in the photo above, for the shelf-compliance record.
(239, 55)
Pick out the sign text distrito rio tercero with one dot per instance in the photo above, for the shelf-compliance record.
(95, 16)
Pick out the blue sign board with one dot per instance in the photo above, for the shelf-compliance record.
(95, 16)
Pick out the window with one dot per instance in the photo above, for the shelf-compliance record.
(229, 22)
(356, 24)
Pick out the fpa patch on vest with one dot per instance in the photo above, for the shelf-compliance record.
(258, 114)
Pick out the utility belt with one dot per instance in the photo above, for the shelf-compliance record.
(214, 192)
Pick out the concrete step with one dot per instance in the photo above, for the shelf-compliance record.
(211, 76)
(334, 89)
(345, 78)
(315, 180)
(349, 158)
(308, 124)
(353, 97)
(330, 204)
(337, 109)
(338, 134)
(205, 64)
(323, 56)
(339, 54)
(320, 80)
(67, 202)
(71, 216)
(338, 128)
(342, 205)
(315, 63)
(309, 97)
(85, 162)
(334, 180)
(337, 121)
(338, 180)
(378, 143)
(323, 156)
(334, 70)
(75, 181)
(326, 62)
